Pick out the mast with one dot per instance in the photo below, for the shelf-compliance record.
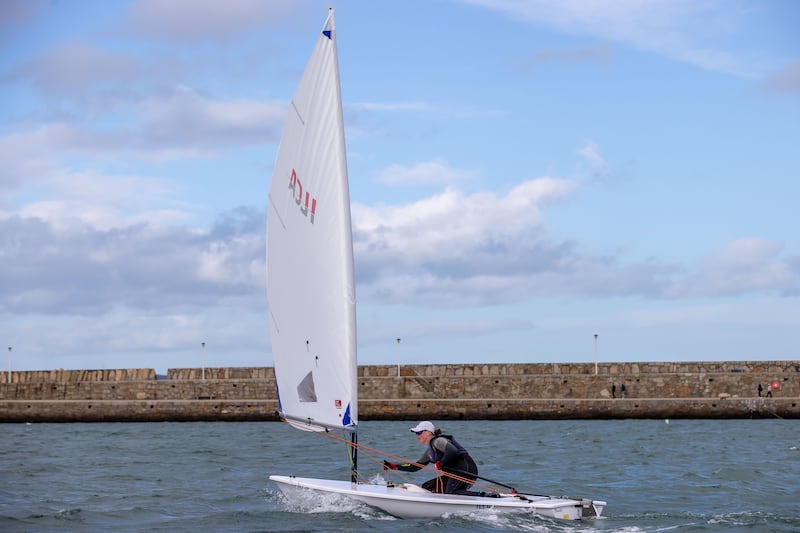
(354, 457)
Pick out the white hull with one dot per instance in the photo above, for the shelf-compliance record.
(411, 501)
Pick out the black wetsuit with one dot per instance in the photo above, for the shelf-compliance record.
(453, 458)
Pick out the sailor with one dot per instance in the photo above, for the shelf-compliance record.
(447, 455)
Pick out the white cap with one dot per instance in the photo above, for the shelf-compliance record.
(423, 426)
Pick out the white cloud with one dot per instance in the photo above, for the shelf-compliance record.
(160, 339)
(677, 29)
(74, 68)
(456, 247)
(234, 261)
(33, 169)
(192, 21)
(424, 107)
(435, 172)
(600, 52)
(592, 155)
(14, 16)
(440, 328)
(80, 269)
(186, 119)
(451, 218)
(181, 124)
(745, 265)
(785, 80)
(26, 157)
(392, 107)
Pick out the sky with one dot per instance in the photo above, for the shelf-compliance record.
(531, 181)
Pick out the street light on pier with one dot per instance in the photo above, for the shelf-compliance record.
(595, 354)
(9, 364)
(398, 357)
(203, 369)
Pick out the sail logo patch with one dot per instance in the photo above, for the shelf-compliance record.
(296, 186)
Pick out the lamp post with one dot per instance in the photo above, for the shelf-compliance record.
(9, 365)
(595, 354)
(203, 370)
(398, 357)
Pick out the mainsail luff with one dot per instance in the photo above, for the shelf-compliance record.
(310, 277)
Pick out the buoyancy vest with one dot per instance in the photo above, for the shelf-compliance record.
(436, 456)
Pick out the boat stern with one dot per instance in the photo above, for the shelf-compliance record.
(592, 508)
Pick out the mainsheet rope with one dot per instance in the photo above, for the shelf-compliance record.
(399, 459)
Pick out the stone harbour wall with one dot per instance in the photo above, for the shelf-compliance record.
(411, 392)
(74, 376)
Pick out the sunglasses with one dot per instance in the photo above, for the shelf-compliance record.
(418, 433)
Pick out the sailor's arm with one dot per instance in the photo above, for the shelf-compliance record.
(407, 467)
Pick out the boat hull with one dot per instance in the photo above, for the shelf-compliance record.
(411, 501)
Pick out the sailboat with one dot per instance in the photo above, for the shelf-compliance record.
(312, 304)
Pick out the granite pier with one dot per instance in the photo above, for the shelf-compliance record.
(413, 392)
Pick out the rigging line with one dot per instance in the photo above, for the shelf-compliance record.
(379, 452)
(421, 466)
(513, 489)
(327, 433)
(364, 449)
(400, 459)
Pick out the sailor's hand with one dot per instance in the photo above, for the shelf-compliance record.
(389, 466)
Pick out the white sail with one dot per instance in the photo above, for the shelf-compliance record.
(311, 287)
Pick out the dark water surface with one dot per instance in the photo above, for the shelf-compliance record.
(685, 475)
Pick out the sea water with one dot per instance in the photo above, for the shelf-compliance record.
(656, 475)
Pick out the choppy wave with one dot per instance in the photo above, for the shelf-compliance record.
(682, 476)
